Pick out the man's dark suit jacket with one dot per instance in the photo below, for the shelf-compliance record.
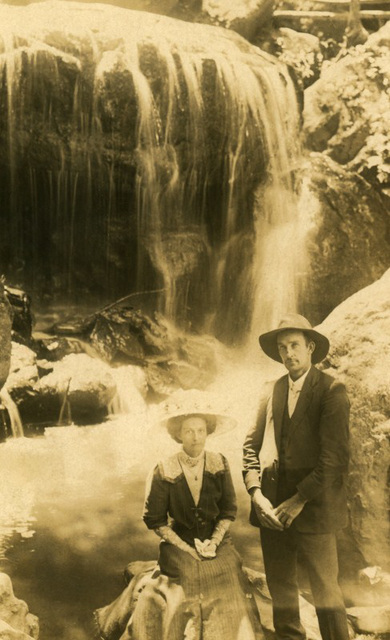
(316, 451)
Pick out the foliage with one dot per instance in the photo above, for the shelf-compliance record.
(363, 89)
(302, 53)
(374, 103)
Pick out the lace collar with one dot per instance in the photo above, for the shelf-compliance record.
(171, 469)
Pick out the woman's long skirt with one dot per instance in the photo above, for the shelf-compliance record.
(203, 600)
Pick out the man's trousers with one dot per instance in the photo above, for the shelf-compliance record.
(318, 554)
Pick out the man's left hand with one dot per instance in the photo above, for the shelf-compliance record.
(288, 510)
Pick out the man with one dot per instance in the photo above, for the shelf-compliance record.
(295, 466)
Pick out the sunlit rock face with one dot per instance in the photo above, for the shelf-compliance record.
(358, 331)
(348, 243)
(131, 148)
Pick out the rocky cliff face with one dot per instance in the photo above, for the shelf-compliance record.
(348, 242)
(346, 112)
(359, 336)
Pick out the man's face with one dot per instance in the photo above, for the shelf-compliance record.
(295, 350)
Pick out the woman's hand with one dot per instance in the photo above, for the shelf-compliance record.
(206, 549)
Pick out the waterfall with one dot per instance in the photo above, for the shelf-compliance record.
(15, 420)
(131, 387)
(146, 153)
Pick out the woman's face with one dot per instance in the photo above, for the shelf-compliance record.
(193, 435)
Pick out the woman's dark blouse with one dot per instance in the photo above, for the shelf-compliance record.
(168, 496)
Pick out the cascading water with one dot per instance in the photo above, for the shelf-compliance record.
(13, 413)
(144, 152)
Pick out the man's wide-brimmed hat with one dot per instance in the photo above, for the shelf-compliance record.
(185, 404)
(294, 322)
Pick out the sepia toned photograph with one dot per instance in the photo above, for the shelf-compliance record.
(195, 320)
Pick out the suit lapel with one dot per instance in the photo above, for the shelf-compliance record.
(279, 401)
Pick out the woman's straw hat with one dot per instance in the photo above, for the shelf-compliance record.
(185, 404)
(294, 322)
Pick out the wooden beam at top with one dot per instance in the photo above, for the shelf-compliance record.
(330, 15)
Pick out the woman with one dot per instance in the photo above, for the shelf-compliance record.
(190, 504)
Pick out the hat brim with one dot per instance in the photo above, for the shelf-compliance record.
(268, 342)
(216, 423)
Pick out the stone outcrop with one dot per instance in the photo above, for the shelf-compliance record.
(360, 351)
(346, 112)
(172, 358)
(16, 622)
(111, 361)
(348, 235)
(78, 388)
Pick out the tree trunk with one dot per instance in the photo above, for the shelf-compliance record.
(355, 33)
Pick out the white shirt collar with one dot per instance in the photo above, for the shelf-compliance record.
(296, 385)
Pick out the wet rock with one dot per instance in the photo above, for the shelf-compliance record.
(172, 358)
(358, 330)
(23, 372)
(16, 623)
(346, 112)
(53, 349)
(22, 320)
(247, 17)
(5, 335)
(370, 619)
(78, 388)
(348, 237)
(83, 382)
(126, 333)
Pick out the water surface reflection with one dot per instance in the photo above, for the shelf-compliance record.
(71, 517)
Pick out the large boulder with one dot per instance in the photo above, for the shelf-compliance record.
(78, 388)
(172, 358)
(16, 622)
(347, 236)
(360, 353)
(83, 382)
(347, 111)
